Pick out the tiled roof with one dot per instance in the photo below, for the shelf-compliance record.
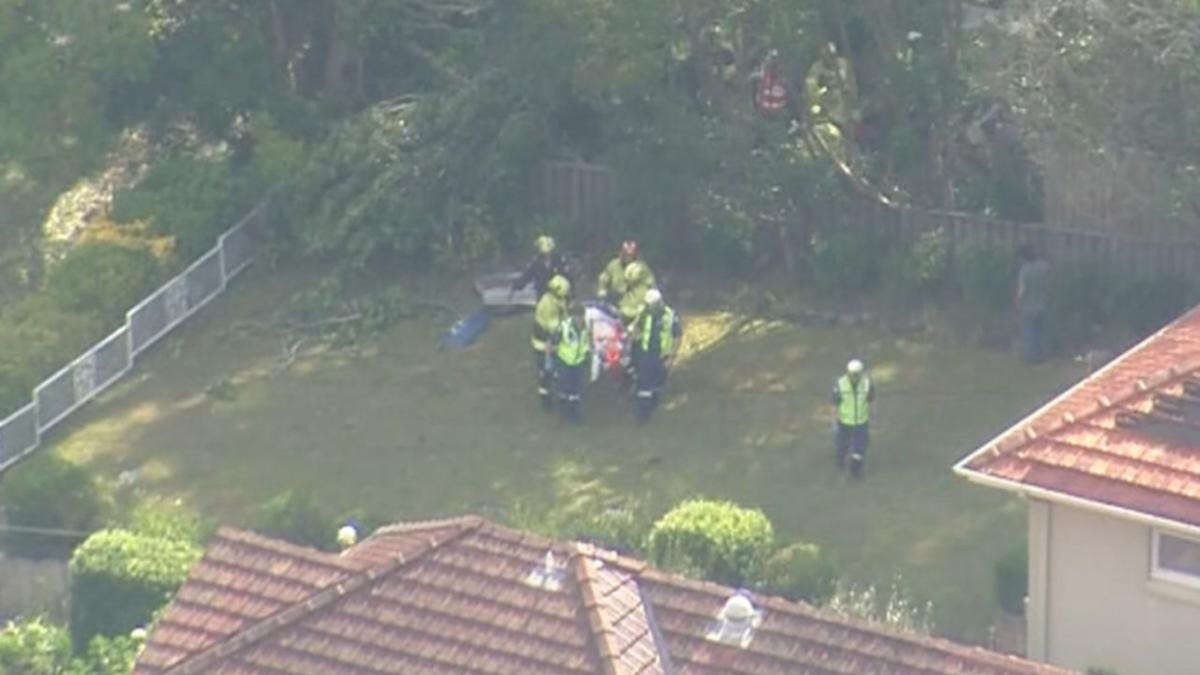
(466, 595)
(1128, 436)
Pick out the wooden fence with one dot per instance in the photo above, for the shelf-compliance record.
(584, 195)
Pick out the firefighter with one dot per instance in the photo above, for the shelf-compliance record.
(572, 347)
(611, 287)
(656, 335)
(638, 280)
(548, 315)
(546, 264)
(852, 396)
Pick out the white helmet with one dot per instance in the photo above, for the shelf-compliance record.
(653, 296)
(854, 367)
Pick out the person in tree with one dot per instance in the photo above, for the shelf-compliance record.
(611, 286)
(546, 263)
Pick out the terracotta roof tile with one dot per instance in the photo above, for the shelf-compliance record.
(1127, 436)
(452, 596)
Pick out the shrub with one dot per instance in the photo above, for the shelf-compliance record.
(622, 529)
(897, 609)
(846, 259)
(1146, 304)
(800, 571)
(109, 655)
(34, 647)
(164, 519)
(37, 337)
(717, 540)
(120, 578)
(1012, 579)
(987, 276)
(48, 491)
(1080, 300)
(296, 516)
(104, 279)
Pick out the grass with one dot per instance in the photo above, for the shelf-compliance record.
(408, 431)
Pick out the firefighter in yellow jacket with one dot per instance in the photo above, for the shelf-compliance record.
(611, 286)
(548, 315)
(572, 346)
(638, 280)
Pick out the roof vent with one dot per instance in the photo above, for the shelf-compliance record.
(736, 621)
(549, 574)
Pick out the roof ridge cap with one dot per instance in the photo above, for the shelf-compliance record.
(296, 611)
(604, 633)
(467, 521)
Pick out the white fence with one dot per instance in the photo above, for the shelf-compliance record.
(97, 368)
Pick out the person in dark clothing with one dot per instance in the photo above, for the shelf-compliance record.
(657, 332)
(545, 265)
(1033, 303)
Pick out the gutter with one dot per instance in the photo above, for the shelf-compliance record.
(1035, 492)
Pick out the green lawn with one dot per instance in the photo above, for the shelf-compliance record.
(409, 431)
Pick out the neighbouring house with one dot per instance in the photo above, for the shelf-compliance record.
(467, 596)
(1111, 473)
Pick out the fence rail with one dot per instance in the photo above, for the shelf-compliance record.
(147, 322)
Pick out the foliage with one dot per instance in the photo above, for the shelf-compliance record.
(987, 276)
(190, 198)
(168, 519)
(109, 655)
(800, 571)
(847, 259)
(918, 268)
(620, 528)
(1080, 304)
(1012, 579)
(34, 647)
(47, 491)
(897, 609)
(37, 337)
(103, 278)
(120, 578)
(1143, 304)
(296, 516)
(716, 540)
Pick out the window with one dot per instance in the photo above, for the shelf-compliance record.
(1176, 558)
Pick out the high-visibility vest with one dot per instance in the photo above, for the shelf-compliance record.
(852, 404)
(547, 315)
(666, 336)
(572, 344)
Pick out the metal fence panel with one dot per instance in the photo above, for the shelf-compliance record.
(203, 280)
(237, 245)
(18, 434)
(147, 321)
(106, 362)
(55, 398)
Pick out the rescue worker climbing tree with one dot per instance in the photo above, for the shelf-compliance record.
(548, 316)
(572, 346)
(852, 395)
(655, 337)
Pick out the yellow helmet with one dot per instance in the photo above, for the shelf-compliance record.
(544, 244)
(635, 271)
(559, 286)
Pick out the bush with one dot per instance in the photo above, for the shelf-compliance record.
(1146, 304)
(50, 492)
(622, 529)
(717, 540)
(34, 647)
(898, 609)
(109, 655)
(1012, 579)
(800, 571)
(104, 279)
(847, 259)
(296, 516)
(1080, 301)
(120, 578)
(922, 265)
(987, 276)
(158, 517)
(37, 337)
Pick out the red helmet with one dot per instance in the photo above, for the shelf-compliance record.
(629, 249)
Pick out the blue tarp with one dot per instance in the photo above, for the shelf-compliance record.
(467, 329)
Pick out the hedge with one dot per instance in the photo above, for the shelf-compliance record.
(718, 540)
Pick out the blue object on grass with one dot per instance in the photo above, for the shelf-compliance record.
(467, 329)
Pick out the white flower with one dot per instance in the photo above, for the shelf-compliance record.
(914, 35)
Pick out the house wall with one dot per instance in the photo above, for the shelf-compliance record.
(1100, 606)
